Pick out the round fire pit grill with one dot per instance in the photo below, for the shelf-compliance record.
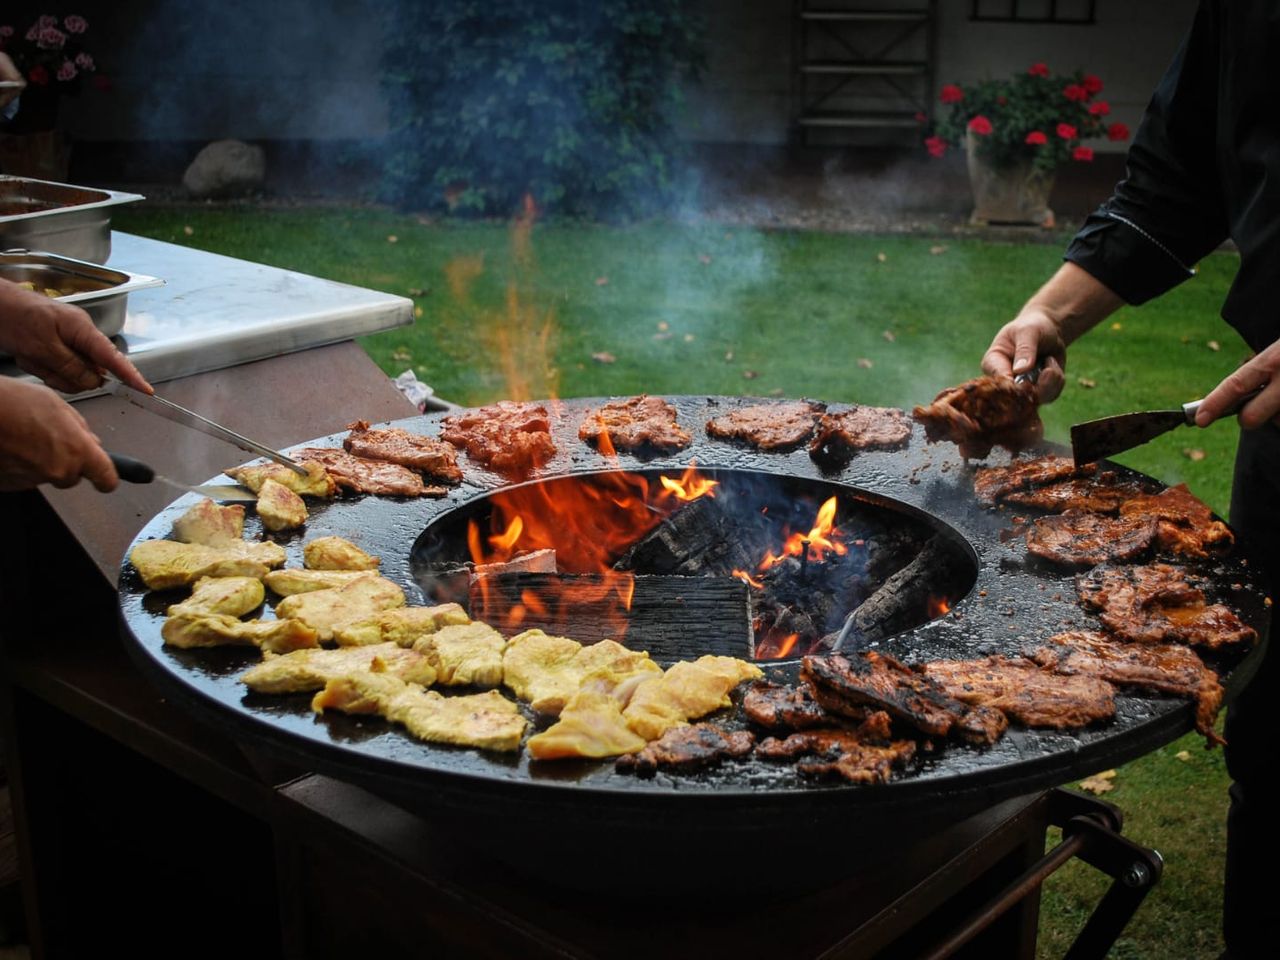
(1014, 600)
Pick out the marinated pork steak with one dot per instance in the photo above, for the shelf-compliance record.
(424, 454)
(507, 437)
(1080, 539)
(1185, 524)
(1105, 493)
(995, 483)
(860, 428)
(983, 413)
(1025, 692)
(369, 476)
(776, 707)
(636, 423)
(1157, 603)
(768, 426)
(687, 748)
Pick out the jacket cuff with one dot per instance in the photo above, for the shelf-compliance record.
(1131, 263)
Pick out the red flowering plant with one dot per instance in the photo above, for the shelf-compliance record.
(1033, 116)
(51, 53)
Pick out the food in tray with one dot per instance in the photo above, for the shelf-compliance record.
(328, 610)
(995, 483)
(404, 625)
(212, 630)
(337, 553)
(547, 671)
(1160, 603)
(1185, 524)
(684, 749)
(317, 483)
(983, 413)
(166, 563)
(362, 475)
(486, 720)
(636, 423)
(288, 581)
(768, 426)
(210, 524)
(1158, 667)
(51, 292)
(508, 437)
(303, 671)
(437, 459)
(226, 596)
(860, 428)
(279, 508)
(1025, 692)
(1077, 538)
(464, 654)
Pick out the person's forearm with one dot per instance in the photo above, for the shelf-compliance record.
(1074, 301)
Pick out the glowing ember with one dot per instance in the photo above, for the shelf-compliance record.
(823, 538)
(937, 606)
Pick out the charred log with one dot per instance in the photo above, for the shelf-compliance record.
(697, 540)
(902, 601)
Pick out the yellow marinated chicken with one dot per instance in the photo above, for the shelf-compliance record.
(166, 563)
(687, 691)
(210, 524)
(334, 553)
(280, 508)
(486, 720)
(547, 671)
(404, 626)
(326, 610)
(591, 725)
(214, 630)
(305, 670)
(465, 654)
(228, 596)
(287, 582)
(316, 483)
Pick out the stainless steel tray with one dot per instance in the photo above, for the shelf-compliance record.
(58, 217)
(100, 291)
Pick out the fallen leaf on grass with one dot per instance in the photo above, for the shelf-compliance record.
(688, 338)
(882, 257)
(749, 374)
(1214, 345)
(704, 259)
(864, 363)
(188, 231)
(1087, 383)
(1183, 755)
(602, 281)
(1194, 454)
(663, 325)
(1117, 325)
(728, 356)
(401, 354)
(663, 336)
(1099, 783)
(392, 238)
(417, 291)
(940, 248)
(604, 356)
(777, 392)
(889, 335)
(417, 313)
(1185, 339)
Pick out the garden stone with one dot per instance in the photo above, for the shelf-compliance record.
(226, 168)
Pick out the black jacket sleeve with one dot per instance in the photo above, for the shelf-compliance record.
(1167, 213)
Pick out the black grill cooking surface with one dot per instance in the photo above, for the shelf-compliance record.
(1016, 599)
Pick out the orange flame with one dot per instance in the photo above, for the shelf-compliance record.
(788, 642)
(605, 444)
(938, 606)
(748, 579)
(503, 542)
(690, 486)
(823, 538)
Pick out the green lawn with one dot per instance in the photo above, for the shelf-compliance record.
(873, 319)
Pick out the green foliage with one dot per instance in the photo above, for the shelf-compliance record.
(572, 102)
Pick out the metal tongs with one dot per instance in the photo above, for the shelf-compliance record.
(189, 418)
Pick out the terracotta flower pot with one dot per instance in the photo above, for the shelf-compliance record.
(1017, 194)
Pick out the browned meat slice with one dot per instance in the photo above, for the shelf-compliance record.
(369, 476)
(1080, 539)
(776, 707)
(1185, 523)
(508, 437)
(424, 454)
(634, 424)
(1159, 667)
(1105, 493)
(864, 755)
(860, 428)
(768, 426)
(828, 741)
(983, 413)
(687, 748)
(995, 483)
(1157, 603)
(1025, 692)
(863, 763)
(850, 685)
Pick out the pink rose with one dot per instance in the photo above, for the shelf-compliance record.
(1036, 138)
(67, 71)
(1073, 91)
(1117, 131)
(1082, 153)
(1100, 109)
(980, 125)
(936, 146)
(951, 94)
(1091, 84)
(1038, 70)
(84, 61)
(75, 24)
(51, 38)
(1066, 131)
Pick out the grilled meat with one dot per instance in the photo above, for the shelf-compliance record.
(776, 707)
(508, 437)
(335, 553)
(306, 670)
(328, 610)
(860, 428)
(591, 725)
(227, 596)
(768, 426)
(437, 459)
(849, 685)
(1080, 539)
(404, 625)
(464, 654)
(187, 631)
(866, 763)
(547, 671)
(828, 741)
(1156, 603)
(1161, 667)
(683, 749)
(209, 524)
(285, 583)
(166, 563)
(686, 691)
(317, 482)
(362, 475)
(279, 508)
(1105, 493)
(634, 424)
(864, 755)
(983, 413)
(1185, 525)
(1025, 692)
(995, 483)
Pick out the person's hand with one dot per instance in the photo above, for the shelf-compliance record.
(1031, 337)
(43, 440)
(58, 343)
(1263, 370)
(10, 74)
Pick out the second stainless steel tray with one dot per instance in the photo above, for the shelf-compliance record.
(59, 217)
(100, 291)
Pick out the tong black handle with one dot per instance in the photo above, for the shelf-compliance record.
(131, 470)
